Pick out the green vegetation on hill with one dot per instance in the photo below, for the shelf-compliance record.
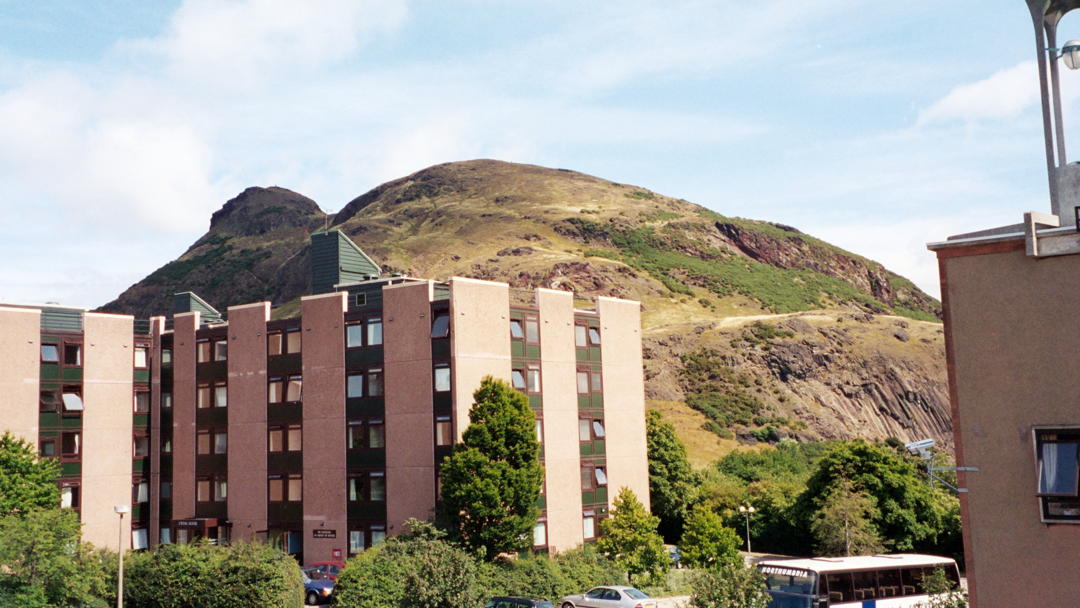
(726, 396)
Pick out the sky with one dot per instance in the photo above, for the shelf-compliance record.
(876, 126)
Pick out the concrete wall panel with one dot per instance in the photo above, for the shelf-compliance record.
(624, 397)
(480, 337)
(247, 419)
(108, 361)
(323, 344)
(410, 439)
(183, 458)
(562, 460)
(20, 347)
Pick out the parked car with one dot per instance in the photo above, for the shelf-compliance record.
(517, 602)
(328, 570)
(615, 596)
(316, 591)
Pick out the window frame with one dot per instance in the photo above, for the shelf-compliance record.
(145, 350)
(1068, 503)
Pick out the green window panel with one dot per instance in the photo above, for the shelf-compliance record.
(50, 371)
(48, 420)
(594, 353)
(598, 447)
(140, 465)
(541, 502)
(141, 420)
(581, 354)
(70, 469)
(517, 348)
(142, 375)
(583, 402)
(532, 350)
(586, 448)
(588, 498)
(536, 402)
(71, 422)
(71, 374)
(137, 512)
(600, 495)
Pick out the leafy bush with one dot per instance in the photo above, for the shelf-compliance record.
(44, 564)
(730, 584)
(209, 576)
(410, 571)
(706, 541)
(630, 538)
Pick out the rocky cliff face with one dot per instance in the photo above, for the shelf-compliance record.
(704, 280)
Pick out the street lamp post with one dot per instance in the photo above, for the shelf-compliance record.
(747, 510)
(120, 510)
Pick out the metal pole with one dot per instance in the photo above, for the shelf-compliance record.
(120, 569)
(748, 549)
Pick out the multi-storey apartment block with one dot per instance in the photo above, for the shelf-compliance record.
(324, 433)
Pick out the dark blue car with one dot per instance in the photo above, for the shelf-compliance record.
(316, 591)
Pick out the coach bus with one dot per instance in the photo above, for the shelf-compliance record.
(872, 581)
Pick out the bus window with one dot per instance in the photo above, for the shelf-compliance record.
(839, 584)
(865, 585)
(888, 583)
(912, 580)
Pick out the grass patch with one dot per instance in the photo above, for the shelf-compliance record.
(724, 396)
(641, 195)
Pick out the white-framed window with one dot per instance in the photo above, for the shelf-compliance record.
(442, 377)
(139, 539)
(540, 534)
(588, 525)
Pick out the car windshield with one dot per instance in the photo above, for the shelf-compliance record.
(634, 593)
(304, 577)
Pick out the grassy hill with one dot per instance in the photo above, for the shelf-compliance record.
(704, 279)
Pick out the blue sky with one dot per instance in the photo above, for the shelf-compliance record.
(878, 127)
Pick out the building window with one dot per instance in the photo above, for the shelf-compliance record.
(275, 390)
(72, 398)
(139, 539)
(50, 353)
(583, 383)
(166, 400)
(539, 430)
(442, 377)
(590, 429)
(221, 395)
(221, 350)
(69, 496)
(202, 396)
(166, 490)
(166, 444)
(285, 488)
(517, 379)
(1058, 451)
(140, 491)
(601, 476)
(70, 445)
(588, 525)
(368, 383)
(142, 359)
(292, 341)
(377, 487)
(440, 325)
(202, 489)
(142, 402)
(364, 333)
(166, 536)
(221, 490)
(597, 381)
(140, 446)
(359, 299)
(517, 329)
(221, 442)
(356, 541)
(50, 399)
(72, 355)
(166, 356)
(540, 534)
(285, 438)
(211, 441)
(274, 343)
(294, 389)
(532, 377)
(378, 535)
(444, 434)
(356, 489)
(202, 351)
(581, 339)
(362, 434)
(47, 449)
(532, 330)
(594, 336)
(587, 478)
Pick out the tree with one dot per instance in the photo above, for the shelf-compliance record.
(943, 592)
(729, 585)
(418, 570)
(671, 480)
(630, 538)
(843, 524)
(909, 516)
(706, 541)
(27, 482)
(44, 564)
(491, 481)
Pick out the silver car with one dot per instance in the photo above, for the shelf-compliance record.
(615, 596)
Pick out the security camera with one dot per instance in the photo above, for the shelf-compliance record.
(920, 448)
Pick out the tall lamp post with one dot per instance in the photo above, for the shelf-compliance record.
(747, 510)
(120, 510)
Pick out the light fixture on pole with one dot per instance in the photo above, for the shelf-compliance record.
(747, 510)
(120, 510)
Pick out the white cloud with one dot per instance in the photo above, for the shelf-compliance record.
(1004, 94)
(242, 43)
